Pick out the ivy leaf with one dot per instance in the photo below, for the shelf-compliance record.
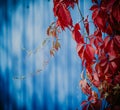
(80, 50)
(52, 52)
(63, 14)
(116, 10)
(77, 26)
(94, 7)
(76, 34)
(85, 87)
(95, 14)
(86, 25)
(57, 45)
(84, 102)
(90, 51)
(117, 40)
(95, 75)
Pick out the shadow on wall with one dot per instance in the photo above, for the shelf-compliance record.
(7, 9)
(7, 6)
(6, 100)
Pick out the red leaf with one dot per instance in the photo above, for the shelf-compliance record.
(112, 58)
(89, 75)
(70, 3)
(94, 7)
(109, 29)
(80, 50)
(103, 63)
(77, 26)
(100, 22)
(63, 14)
(117, 79)
(80, 47)
(95, 14)
(85, 87)
(85, 107)
(113, 67)
(96, 43)
(106, 41)
(96, 39)
(88, 64)
(52, 52)
(108, 77)
(97, 68)
(98, 33)
(90, 51)
(100, 19)
(77, 36)
(109, 46)
(96, 83)
(106, 68)
(92, 39)
(86, 25)
(116, 10)
(117, 40)
(83, 103)
(95, 75)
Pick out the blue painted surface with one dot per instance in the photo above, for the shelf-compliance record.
(23, 24)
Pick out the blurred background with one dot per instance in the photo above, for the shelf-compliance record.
(24, 82)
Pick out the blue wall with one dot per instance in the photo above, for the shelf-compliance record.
(23, 25)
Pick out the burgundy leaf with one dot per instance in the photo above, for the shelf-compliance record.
(77, 36)
(87, 25)
(94, 7)
(63, 14)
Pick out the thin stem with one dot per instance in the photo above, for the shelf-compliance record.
(82, 18)
(80, 12)
(69, 28)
